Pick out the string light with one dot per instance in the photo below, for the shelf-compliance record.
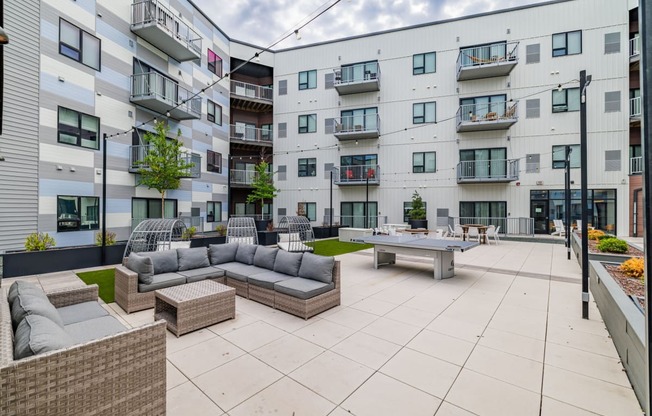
(297, 34)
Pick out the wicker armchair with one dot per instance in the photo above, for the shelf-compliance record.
(122, 374)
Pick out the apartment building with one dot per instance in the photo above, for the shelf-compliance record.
(635, 112)
(473, 113)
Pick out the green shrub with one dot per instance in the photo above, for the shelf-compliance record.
(189, 233)
(613, 245)
(634, 267)
(221, 230)
(39, 242)
(606, 236)
(110, 238)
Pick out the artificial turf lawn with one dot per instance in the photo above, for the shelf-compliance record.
(336, 247)
(104, 279)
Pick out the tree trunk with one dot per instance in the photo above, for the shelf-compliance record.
(163, 204)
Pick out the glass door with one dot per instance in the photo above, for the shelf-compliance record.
(539, 212)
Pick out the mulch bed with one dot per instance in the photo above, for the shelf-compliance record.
(593, 248)
(630, 285)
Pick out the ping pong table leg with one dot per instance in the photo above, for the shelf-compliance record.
(382, 257)
(443, 264)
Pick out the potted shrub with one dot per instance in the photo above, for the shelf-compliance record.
(417, 212)
(263, 189)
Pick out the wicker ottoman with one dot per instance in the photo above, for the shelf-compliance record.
(192, 306)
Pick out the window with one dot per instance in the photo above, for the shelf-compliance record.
(487, 107)
(559, 156)
(358, 167)
(307, 167)
(213, 211)
(364, 71)
(244, 208)
(407, 207)
(470, 211)
(308, 123)
(569, 43)
(424, 113)
(309, 209)
(76, 213)
(423, 162)
(364, 119)
(79, 45)
(213, 161)
(78, 129)
(214, 63)
(424, 63)
(214, 112)
(266, 132)
(483, 163)
(308, 80)
(143, 208)
(359, 214)
(565, 100)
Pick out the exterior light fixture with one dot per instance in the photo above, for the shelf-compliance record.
(4, 38)
(297, 34)
(559, 88)
(257, 57)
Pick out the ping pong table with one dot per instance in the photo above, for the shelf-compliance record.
(386, 247)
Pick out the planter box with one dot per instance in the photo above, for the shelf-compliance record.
(205, 241)
(26, 263)
(267, 238)
(625, 323)
(327, 232)
(576, 244)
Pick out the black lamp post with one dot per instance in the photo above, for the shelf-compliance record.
(567, 208)
(103, 256)
(585, 80)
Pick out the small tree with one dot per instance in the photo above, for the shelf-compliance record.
(417, 212)
(163, 164)
(263, 185)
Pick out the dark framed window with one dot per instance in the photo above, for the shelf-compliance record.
(424, 113)
(359, 214)
(308, 80)
(214, 112)
(79, 45)
(213, 161)
(214, 63)
(266, 132)
(307, 167)
(482, 209)
(76, 213)
(143, 208)
(245, 208)
(635, 150)
(485, 107)
(559, 156)
(308, 123)
(565, 100)
(407, 207)
(424, 162)
(358, 167)
(483, 163)
(213, 211)
(424, 63)
(361, 119)
(567, 43)
(78, 129)
(363, 71)
(309, 209)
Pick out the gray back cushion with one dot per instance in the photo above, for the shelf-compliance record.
(317, 267)
(193, 258)
(141, 265)
(164, 261)
(36, 335)
(222, 253)
(23, 287)
(287, 262)
(26, 305)
(265, 257)
(246, 253)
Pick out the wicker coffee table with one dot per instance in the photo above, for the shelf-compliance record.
(192, 306)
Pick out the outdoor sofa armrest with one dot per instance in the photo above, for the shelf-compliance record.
(73, 296)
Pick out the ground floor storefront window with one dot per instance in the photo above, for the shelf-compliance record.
(549, 205)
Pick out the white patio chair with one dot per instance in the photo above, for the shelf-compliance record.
(457, 231)
(559, 228)
(492, 232)
(473, 233)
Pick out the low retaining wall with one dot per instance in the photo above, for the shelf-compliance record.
(353, 234)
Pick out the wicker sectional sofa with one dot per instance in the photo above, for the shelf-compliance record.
(303, 284)
(90, 365)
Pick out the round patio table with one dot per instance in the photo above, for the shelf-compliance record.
(482, 229)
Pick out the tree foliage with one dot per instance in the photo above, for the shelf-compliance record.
(263, 185)
(417, 212)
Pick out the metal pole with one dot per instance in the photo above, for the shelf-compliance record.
(585, 192)
(330, 227)
(103, 255)
(567, 201)
(366, 207)
(228, 187)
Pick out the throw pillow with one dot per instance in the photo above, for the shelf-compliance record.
(141, 265)
(222, 253)
(164, 261)
(265, 257)
(317, 267)
(288, 263)
(23, 287)
(193, 258)
(36, 335)
(246, 253)
(26, 305)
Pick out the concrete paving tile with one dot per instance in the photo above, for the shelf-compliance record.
(515, 344)
(254, 336)
(442, 346)
(509, 368)
(205, 356)
(393, 331)
(366, 349)
(324, 333)
(187, 399)
(288, 353)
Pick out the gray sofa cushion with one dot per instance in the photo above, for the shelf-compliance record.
(25, 305)
(317, 267)
(195, 275)
(301, 288)
(222, 253)
(265, 257)
(81, 312)
(160, 281)
(96, 328)
(246, 253)
(288, 263)
(37, 334)
(193, 258)
(141, 265)
(241, 272)
(23, 286)
(267, 279)
(164, 261)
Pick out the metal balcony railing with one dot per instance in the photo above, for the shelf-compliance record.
(508, 225)
(487, 116)
(500, 170)
(357, 175)
(250, 134)
(244, 89)
(151, 18)
(635, 107)
(163, 95)
(365, 126)
(242, 176)
(636, 165)
(635, 46)
(487, 61)
(137, 154)
(351, 79)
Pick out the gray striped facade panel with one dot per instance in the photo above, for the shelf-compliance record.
(49, 170)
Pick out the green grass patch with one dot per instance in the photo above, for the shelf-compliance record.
(336, 247)
(104, 279)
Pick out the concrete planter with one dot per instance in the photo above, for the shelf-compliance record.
(326, 232)
(205, 241)
(267, 238)
(625, 323)
(576, 244)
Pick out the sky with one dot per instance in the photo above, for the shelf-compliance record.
(262, 22)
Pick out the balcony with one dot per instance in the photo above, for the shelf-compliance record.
(635, 111)
(162, 95)
(635, 49)
(137, 154)
(154, 22)
(251, 97)
(242, 178)
(487, 61)
(354, 79)
(250, 135)
(487, 171)
(636, 165)
(487, 116)
(358, 127)
(357, 175)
